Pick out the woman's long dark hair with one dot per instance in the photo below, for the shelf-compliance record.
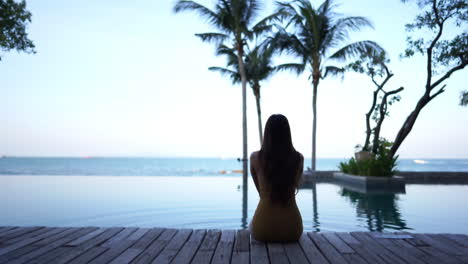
(279, 159)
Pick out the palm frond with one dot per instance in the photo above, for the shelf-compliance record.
(339, 32)
(356, 49)
(233, 75)
(204, 12)
(334, 71)
(230, 53)
(212, 37)
(251, 10)
(296, 68)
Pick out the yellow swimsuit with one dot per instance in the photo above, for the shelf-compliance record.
(274, 222)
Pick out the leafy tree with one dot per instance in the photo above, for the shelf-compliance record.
(444, 56)
(318, 35)
(375, 66)
(464, 98)
(234, 20)
(258, 67)
(13, 20)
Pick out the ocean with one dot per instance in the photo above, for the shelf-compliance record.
(180, 166)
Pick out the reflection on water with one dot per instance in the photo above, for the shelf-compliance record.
(244, 206)
(380, 210)
(221, 203)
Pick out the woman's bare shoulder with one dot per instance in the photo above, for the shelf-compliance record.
(300, 156)
(254, 155)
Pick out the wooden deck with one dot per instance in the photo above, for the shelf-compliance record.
(159, 245)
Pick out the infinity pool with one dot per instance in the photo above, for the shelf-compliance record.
(217, 202)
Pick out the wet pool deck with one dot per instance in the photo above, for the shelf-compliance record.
(159, 245)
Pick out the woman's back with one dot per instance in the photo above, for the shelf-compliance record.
(274, 221)
(276, 170)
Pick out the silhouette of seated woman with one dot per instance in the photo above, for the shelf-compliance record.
(276, 170)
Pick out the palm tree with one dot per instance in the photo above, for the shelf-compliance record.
(318, 35)
(257, 68)
(233, 19)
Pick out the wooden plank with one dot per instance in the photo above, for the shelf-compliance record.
(90, 255)
(223, 253)
(86, 237)
(86, 245)
(60, 239)
(156, 247)
(147, 238)
(241, 250)
(66, 231)
(51, 256)
(144, 238)
(419, 254)
(18, 232)
(341, 246)
(311, 251)
(460, 249)
(359, 247)
(173, 247)
(5, 229)
(119, 237)
(45, 233)
(440, 255)
(189, 249)
(346, 251)
(295, 253)
(376, 248)
(392, 235)
(404, 253)
(22, 243)
(327, 249)
(117, 247)
(26, 235)
(277, 254)
(462, 240)
(11, 231)
(258, 252)
(417, 242)
(112, 253)
(17, 245)
(26, 250)
(138, 234)
(207, 247)
(437, 244)
(127, 256)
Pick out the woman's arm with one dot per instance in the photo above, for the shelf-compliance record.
(253, 172)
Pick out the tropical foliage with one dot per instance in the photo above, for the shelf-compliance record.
(317, 36)
(13, 21)
(234, 20)
(375, 66)
(444, 56)
(258, 67)
(381, 164)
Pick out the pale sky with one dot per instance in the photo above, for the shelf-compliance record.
(129, 78)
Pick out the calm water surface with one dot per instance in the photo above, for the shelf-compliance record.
(180, 166)
(216, 202)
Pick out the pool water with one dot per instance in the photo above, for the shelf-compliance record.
(217, 202)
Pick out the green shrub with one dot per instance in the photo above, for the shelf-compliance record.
(379, 165)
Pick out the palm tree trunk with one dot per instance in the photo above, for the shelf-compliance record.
(314, 124)
(244, 119)
(259, 112)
